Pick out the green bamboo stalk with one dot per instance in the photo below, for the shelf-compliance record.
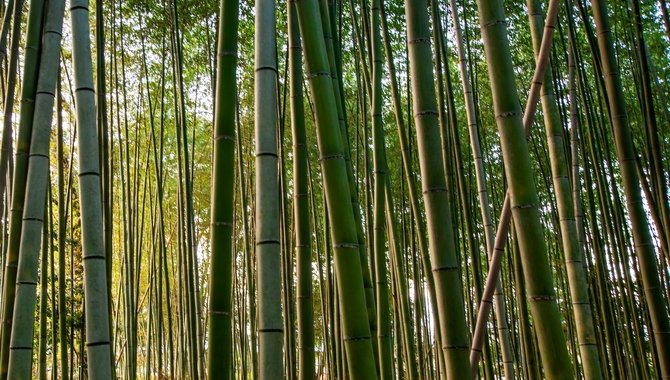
(29, 85)
(482, 191)
(106, 163)
(301, 209)
(327, 20)
(402, 295)
(506, 213)
(251, 284)
(573, 255)
(44, 261)
(523, 194)
(268, 249)
(345, 243)
(95, 278)
(379, 195)
(52, 284)
(6, 147)
(20, 356)
(62, 231)
(405, 149)
(445, 270)
(530, 364)
(219, 356)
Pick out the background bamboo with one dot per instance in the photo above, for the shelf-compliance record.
(358, 287)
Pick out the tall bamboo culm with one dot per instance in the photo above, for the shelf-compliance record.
(482, 191)
(94, 258)
(355, 328)
(220, 355)
(21, 345)
(268, 248)
(445, 268)
(572, 251)
(301, 210)
(523, 194)
(33, 40)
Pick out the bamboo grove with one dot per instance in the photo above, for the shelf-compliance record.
(334, 189)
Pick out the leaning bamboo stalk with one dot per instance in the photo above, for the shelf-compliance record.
(4, 32)
(20, 356)
(348, 267)
(28, 89)
(6, 147)
(327, 19)
(556, 365)
(506, 213)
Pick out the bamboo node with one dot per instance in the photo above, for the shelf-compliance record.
(504, 115)
(94, 257)
(42, 92)
(78, 7)
(426, 113)
(38, 155)
(34, 283)
(101, 343)
(587, 344)
(267, 154)
(84, 88)
(493, 22)
(315, 74)
(434, 190)
(331, 157)
(419, 41)
(445, 268)
(542, 298)
(269, 241)
(270, 330)
(455, 347)
(223, 137)
(261, 68)
(346, 245)
(356, 338)
(84, 174)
